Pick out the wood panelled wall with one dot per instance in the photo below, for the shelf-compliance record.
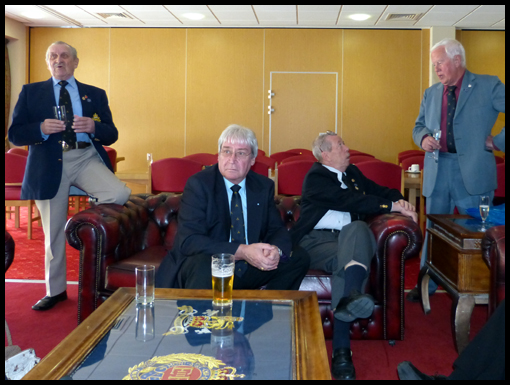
(172, 91)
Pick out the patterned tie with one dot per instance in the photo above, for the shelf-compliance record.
(452, 103)
(237, 232)
(69, 136)
(236, 217)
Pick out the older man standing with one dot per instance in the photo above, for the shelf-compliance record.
(263, 251)
(464, 106)
(63, 157)
(336, 199)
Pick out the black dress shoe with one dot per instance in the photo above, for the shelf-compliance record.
(356, 305)
(342, 367)
(407, 371)
(48, 302)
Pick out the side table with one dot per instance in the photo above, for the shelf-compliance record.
(455, 262)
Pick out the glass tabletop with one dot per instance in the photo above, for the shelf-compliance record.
(191, 339)
(472, 224)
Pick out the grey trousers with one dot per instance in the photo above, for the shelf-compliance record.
(84, 169)
(331, 251)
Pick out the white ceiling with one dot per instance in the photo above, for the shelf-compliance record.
(261, 16)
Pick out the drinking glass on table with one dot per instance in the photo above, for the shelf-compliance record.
(484, 207)
(437, 135)
(222, 268)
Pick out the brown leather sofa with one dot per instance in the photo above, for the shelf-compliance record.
(113, 239)
(493, 249)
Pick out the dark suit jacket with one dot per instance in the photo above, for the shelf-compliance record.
(322, 192)
(204, 220)
(44, 164)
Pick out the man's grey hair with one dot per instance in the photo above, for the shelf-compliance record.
(73, 51)
(239, 135)
(452, 48)
(320, 144)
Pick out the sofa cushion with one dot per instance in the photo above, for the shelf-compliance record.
(122, 273)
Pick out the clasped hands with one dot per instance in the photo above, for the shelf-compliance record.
(80, 124)
(263, 256)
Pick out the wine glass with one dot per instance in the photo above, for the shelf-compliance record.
(437, 135)
(484, 207)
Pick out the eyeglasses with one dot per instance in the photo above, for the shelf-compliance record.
(226, 153)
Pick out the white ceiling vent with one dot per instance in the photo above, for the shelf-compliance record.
(404, 16)
(115, 15)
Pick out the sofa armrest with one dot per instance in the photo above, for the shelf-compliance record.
(398, 238)
(98, 233)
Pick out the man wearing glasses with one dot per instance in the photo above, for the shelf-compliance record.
(262, 247)
(336, 199)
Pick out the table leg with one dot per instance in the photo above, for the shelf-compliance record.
(423, 288)
(462, 308)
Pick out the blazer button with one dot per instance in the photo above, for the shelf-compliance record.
(60, 160)
(59, 142)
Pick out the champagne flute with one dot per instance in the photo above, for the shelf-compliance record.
(484, 207)
(437, 135)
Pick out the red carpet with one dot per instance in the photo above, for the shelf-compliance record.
(30, 263)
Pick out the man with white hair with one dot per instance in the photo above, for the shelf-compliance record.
(464, 107)
(64, 155)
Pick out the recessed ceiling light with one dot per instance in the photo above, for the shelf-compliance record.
(34, 14)
(359, 16)
(193, 16)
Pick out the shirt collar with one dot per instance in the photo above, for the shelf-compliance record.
(71, 82)
(332, 169)
(229, 184)
(458, 84)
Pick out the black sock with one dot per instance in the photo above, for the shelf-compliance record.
(354, 276)
(341, 335)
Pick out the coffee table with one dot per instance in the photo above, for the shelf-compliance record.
(270, 335)
(455, 262)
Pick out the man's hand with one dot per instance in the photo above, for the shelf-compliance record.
(83, 124)
(406, 209)
(52, 126)
(429, 144)
(263, 256)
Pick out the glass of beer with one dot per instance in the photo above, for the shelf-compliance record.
(222, 267)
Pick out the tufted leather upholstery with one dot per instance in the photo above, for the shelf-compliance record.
(493, 249)
(114, 239)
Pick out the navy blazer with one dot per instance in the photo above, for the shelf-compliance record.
(204, 220)
(322, 192)
(44, 164)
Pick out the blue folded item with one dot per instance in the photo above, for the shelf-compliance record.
(496, 214)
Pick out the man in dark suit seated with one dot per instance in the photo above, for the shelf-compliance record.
(263, 252)
(336, 199)
(65, 158)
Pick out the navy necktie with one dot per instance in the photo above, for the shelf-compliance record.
(452, 104)
(68, 136)
(237, 232)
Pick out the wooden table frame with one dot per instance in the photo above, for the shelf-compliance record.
(311, 356)
(460, 271)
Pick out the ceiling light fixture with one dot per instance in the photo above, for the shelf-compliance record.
(193, 16)
(359, 16)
